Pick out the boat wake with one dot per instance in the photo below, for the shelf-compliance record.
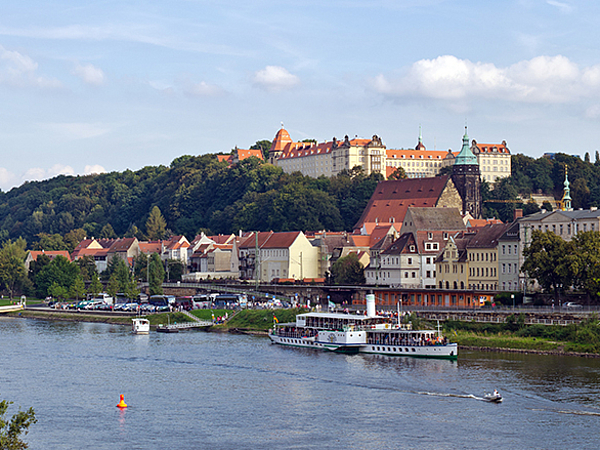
(566, 411)
(441, 394)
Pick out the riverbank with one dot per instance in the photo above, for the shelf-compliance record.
(258, 322)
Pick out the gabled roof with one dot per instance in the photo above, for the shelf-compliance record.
(391, 198)
(487, 237)
(122, 245)
(359, 240)
(251, 241)
(401, 245)
(243, 154)
(489, 148)
(282, 240)
(432, 219)
(150, 247)
(222, 238)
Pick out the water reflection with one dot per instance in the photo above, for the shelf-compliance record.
(197, 389)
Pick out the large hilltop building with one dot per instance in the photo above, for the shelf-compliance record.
(331, 157)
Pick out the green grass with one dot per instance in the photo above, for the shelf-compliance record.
(262, 319)
(504, 341)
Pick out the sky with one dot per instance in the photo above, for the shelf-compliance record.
(101, 86)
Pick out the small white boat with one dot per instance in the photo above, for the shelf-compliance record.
(140, 326)
(494, 397)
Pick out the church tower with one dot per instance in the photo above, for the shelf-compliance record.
(279, 144)
(466, 178)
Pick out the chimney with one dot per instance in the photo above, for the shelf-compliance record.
(518, 213)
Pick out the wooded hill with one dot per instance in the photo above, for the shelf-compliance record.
(199, 193)
(194, 194)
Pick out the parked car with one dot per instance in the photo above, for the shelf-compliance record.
(572, 305)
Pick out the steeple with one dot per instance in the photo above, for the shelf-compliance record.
(420, 145)
(466, 156)
(566, 200)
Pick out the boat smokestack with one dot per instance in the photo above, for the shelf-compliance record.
(371, 305)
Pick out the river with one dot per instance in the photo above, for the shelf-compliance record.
(196, 390)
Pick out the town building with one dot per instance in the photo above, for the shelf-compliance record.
(265, 256)
(482, 256)
(392, 198)
(494, 160)
(509, 268)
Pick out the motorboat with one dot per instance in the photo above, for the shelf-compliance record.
(493, 397)
(140, 326)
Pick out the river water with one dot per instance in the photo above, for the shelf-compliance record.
(197, 390)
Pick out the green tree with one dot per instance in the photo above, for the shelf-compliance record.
(547, 260)
(87, 267)
(96, 285)
(11, 430)
(398, 174)
(108, 232)
(60, 271)
(12, 267)
(50, 242)
(113, 285)
(77, 290)
(73, 238)
(175, 267)
(348, 271)
(57, 291)
(584, 262)
(156, 225)
(157, 275)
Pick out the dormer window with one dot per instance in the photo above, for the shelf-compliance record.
(411, 248)
(430, 236)
(445, 236)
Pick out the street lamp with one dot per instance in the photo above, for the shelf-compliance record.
(513, 299)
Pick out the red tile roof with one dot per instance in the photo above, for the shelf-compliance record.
(391, 199)
(281, 240)
(51, 254)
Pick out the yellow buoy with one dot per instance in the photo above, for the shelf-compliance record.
(122, 403)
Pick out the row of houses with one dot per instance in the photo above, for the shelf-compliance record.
(413, 234)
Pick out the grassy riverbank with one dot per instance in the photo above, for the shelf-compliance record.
(514, 335)
(582, 338)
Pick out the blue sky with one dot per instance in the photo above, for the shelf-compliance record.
(112, 85)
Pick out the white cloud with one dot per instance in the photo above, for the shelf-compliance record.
(38, 173)
(20, 70)
(275, 78)
(7, 178)
(563, 7)
(203, 89)
(77, 130)
(90, 74)
(93, 169)
(543, 79)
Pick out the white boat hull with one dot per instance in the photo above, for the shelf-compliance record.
(447, 351)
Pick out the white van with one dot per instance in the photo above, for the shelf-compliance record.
(104, 297)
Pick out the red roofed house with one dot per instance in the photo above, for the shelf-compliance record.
(391, 200)
(240, 154)
(33, 256)
(176, 247)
